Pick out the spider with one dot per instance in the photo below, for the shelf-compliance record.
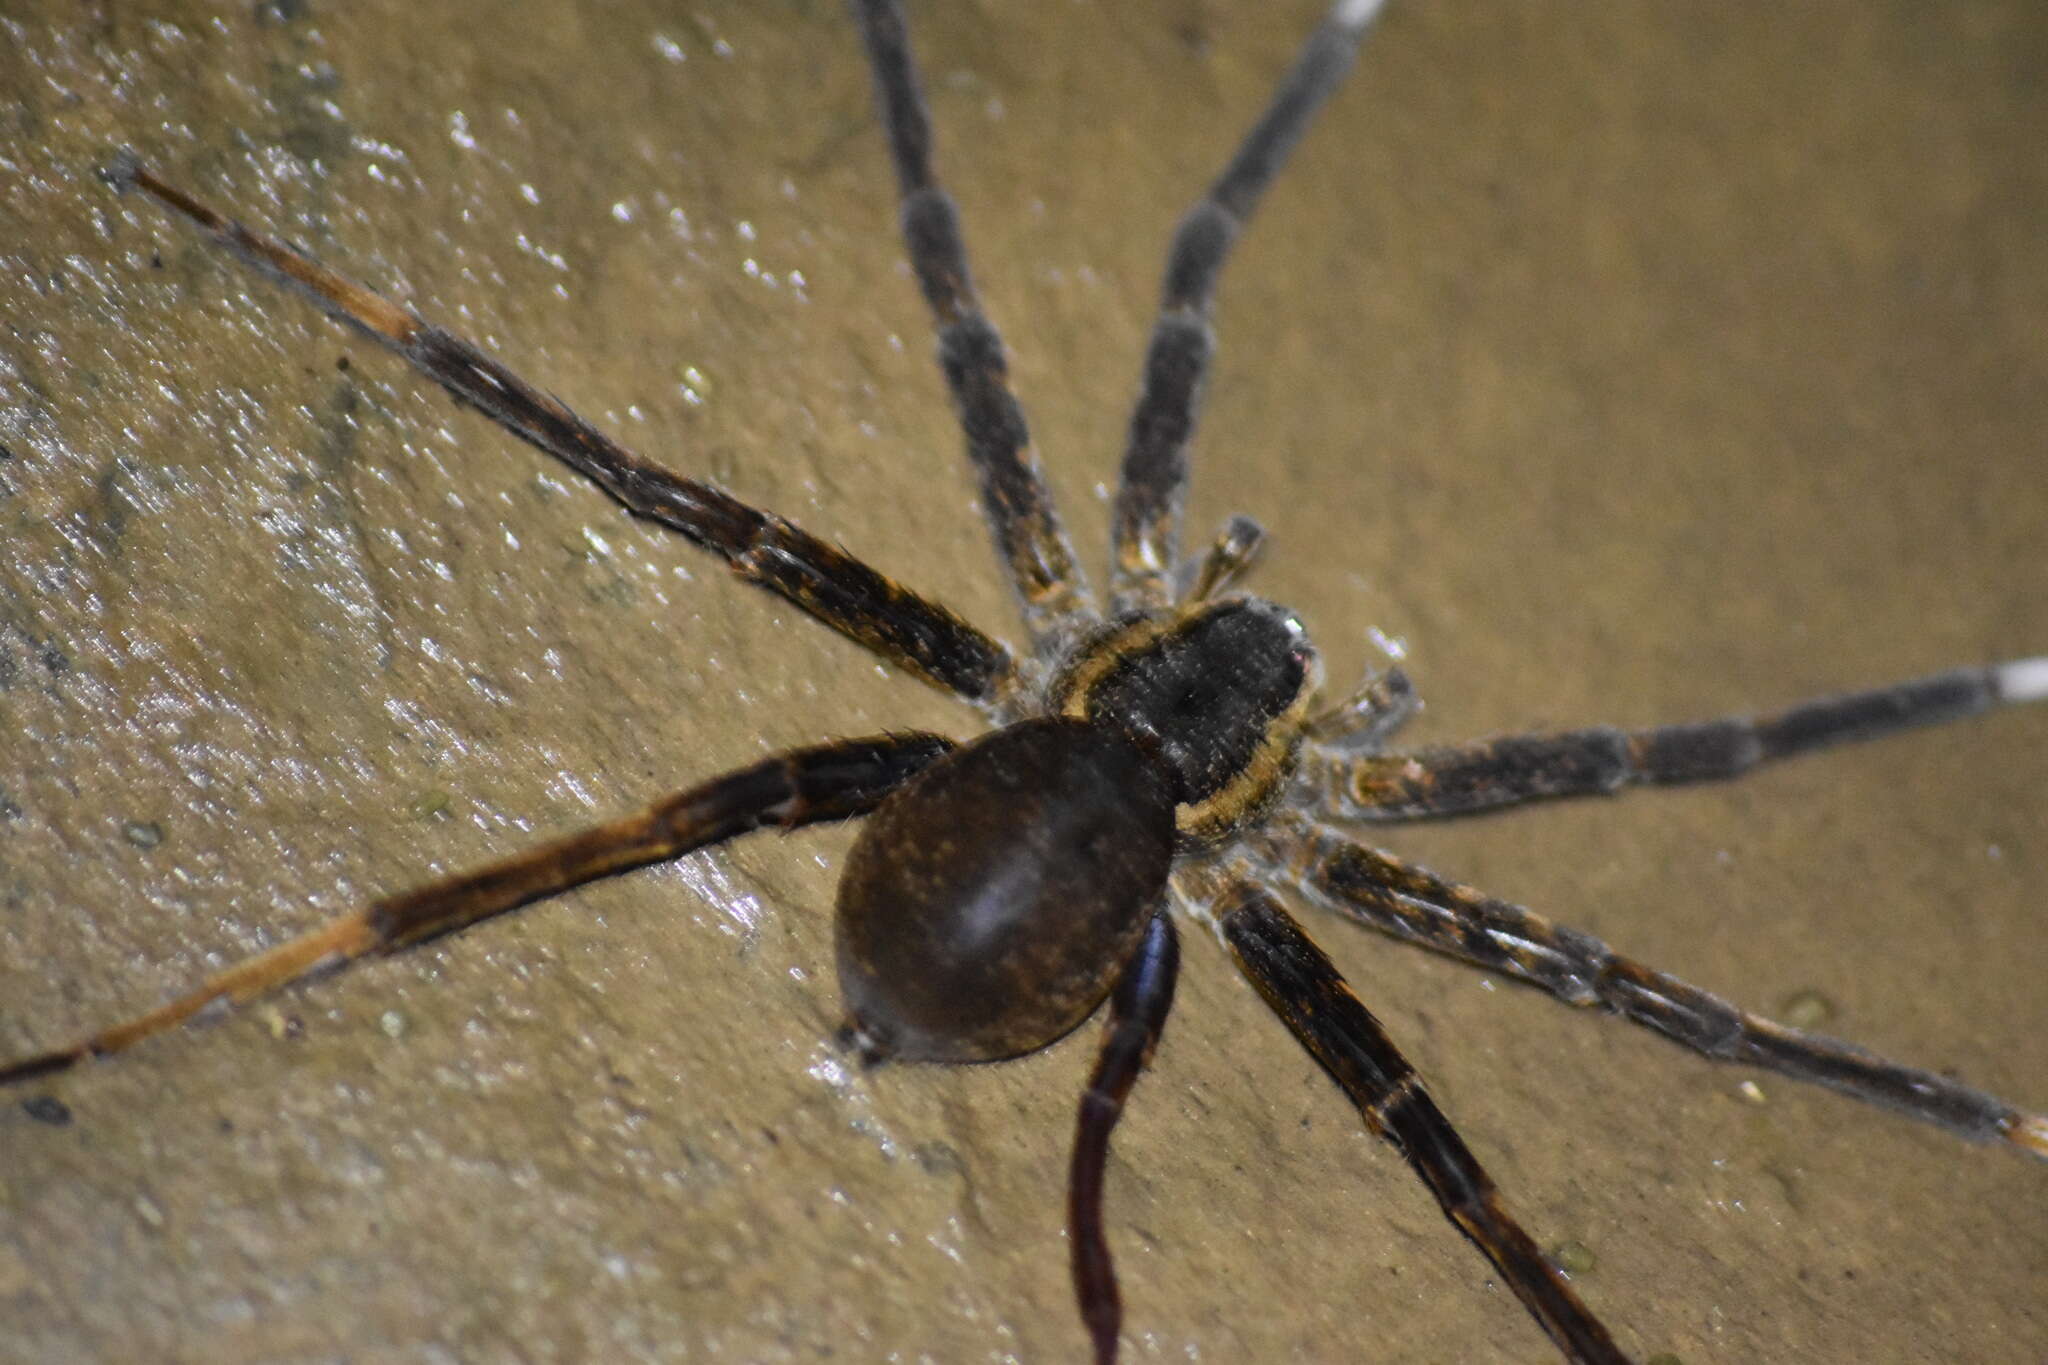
(1385, 707)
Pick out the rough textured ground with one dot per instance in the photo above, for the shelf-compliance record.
(1629, 362)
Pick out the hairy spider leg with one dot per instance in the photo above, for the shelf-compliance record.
(1052, 588)
(1363, 722)
(1236, 549)
(909, 630)
(1411, 903)
(1383, 892)
(1488, 774)
(1145, 525)
(1137, 1017)
(1299, 983)
(806, 786)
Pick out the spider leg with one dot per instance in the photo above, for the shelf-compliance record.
(800, 787)
(1050, 585)
(1365, 720)
(1412, 903)
(1488, 774)
(1236, 548)
(1137, 1017)
(911, 631)
(1301, 985)
(1145, 534)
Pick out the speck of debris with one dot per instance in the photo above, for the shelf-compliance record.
(142, 833)
(1573, 1257)
(1751, 1091)
(47, 1109)
(1806, 1009)
(393, 1023)
(280, 12)
(146, 1209)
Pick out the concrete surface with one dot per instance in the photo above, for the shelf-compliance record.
(1629, 362)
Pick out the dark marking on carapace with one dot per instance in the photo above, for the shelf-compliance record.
(1221, 689)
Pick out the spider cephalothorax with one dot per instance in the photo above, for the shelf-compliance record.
(1221, 691)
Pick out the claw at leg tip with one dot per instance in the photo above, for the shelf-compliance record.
(2030, 1132)
(2022, 680)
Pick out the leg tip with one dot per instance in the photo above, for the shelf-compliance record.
(120, 174)
(40, 1065)
(2022, 680)
(2030, 1133)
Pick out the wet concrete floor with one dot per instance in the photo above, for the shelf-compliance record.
(1628, 363)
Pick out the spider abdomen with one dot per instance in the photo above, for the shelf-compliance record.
(987, 907)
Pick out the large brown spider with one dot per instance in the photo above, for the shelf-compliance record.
(1922, 704)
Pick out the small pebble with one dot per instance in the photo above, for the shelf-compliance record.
(433, 805)
(1573, 1258)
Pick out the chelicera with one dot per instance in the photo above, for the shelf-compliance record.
(1168, 755)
